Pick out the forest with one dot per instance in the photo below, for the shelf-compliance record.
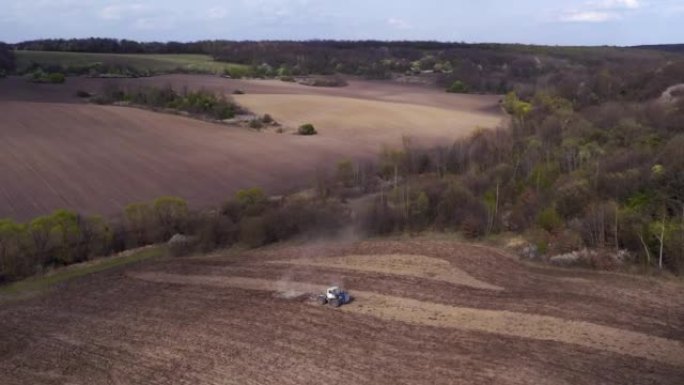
(489, 68)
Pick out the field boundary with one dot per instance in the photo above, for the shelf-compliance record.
(37, 285)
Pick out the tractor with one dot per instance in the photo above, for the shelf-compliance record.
(335, 297)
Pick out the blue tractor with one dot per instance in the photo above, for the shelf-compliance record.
(334, 296)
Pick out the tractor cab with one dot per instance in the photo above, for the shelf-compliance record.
(332, 292)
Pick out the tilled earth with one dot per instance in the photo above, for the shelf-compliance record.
(60, 152)
(246, 318)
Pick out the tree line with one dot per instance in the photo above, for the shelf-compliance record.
(250, 218)
(608, 178)
(488, 68)
(201, 103)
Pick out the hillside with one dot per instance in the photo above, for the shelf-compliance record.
(235, 317)
(60, 152)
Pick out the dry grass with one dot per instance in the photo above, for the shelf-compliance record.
(368, 120)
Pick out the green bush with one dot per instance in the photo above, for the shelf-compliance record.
(549, 220)
(458, 87)
(202, 103)
(307, 129)
(56, 78)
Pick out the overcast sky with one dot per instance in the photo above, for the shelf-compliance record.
(563, 22)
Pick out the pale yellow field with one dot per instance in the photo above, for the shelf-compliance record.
(373, 121)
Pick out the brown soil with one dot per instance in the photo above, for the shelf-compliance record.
(400, 264)
(58, 152)
(432, 314)
(236, 318)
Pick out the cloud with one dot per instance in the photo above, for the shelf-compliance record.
(616, 4)
(588, 17)
(599, 11)
(398, 23)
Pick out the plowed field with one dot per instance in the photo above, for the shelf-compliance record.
(59, 152)
(424, 312)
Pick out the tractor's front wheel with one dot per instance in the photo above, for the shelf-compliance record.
(322, 300)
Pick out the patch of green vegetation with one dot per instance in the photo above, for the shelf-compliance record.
(142, 63)
(38, 76)
(307, 129)
(458, 87)
(40, 284)
(199, 103)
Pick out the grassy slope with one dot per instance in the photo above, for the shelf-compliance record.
(39, 284)
(141, 62)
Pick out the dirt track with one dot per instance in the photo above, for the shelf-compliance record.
(225, 320)
(58, 152)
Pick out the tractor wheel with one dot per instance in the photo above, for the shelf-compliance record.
(322, 300)
(335, 302)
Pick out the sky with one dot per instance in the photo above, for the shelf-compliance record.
(559, 22)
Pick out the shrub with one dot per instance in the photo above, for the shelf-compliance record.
(251, 196)
(56, 77)
(268, 119)
(252, 201)
(256, 124)
(12, 241)
(307, 129)
(458, 87)
(202, 102)
(139, 224)
(83, 94)
(326, 82)
(253, 231)
(214, 231)
(238, 92)
(40, 76)
(549, 220)
(171, 215)
(289, 79)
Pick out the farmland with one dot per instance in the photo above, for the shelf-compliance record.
(60, 152)
(425, 312)
(153, 63)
